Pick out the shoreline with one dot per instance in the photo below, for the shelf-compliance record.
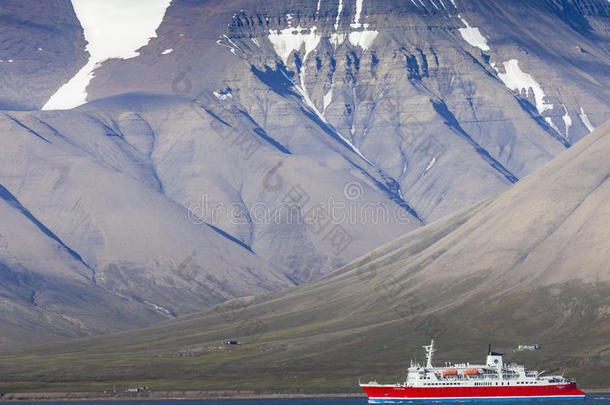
(180, 396)
(160, 396)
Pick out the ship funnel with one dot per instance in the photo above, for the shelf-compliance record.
(494, 359)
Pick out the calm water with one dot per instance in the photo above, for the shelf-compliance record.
(593, 399)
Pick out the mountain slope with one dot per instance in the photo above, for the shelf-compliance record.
(497, 272)
(159, 214)
(248, 147)
(42, 46)
(448, 121)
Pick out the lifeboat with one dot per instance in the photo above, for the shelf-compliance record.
(450, 371)
(471, 371)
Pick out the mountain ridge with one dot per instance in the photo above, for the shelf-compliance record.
(251, 147)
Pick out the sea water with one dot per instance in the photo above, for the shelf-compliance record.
(592, 399)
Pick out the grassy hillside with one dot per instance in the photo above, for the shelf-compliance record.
(311, 350)
(527, 266)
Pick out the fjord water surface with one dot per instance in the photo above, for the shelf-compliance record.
(593, 399)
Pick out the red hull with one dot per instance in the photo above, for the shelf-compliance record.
(379, 393)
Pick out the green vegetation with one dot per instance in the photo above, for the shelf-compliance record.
(319, 347)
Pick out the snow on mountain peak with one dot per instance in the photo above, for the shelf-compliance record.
(113, 29)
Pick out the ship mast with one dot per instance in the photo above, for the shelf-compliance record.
(429, 353)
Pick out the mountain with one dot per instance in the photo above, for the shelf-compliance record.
(42, 47)
(233, 148)
(528, 265)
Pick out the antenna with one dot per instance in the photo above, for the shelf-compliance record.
(429, 353)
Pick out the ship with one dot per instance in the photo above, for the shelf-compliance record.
(492, 381)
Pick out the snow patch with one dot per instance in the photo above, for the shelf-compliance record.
(303, 91)
(585, 119)
(112, 29)
(430, 164)
(567, 120)
(223, 94)
(167, 51)
(290, 40)
(336, 39)
(158, 308)
(356, 23)
(232, 45)
(517, 80)
(363, 39)
(549, 120)
(473, 36)
(231, 42)
(339, 10)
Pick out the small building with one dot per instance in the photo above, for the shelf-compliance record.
(530, 347)
(136, 389)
